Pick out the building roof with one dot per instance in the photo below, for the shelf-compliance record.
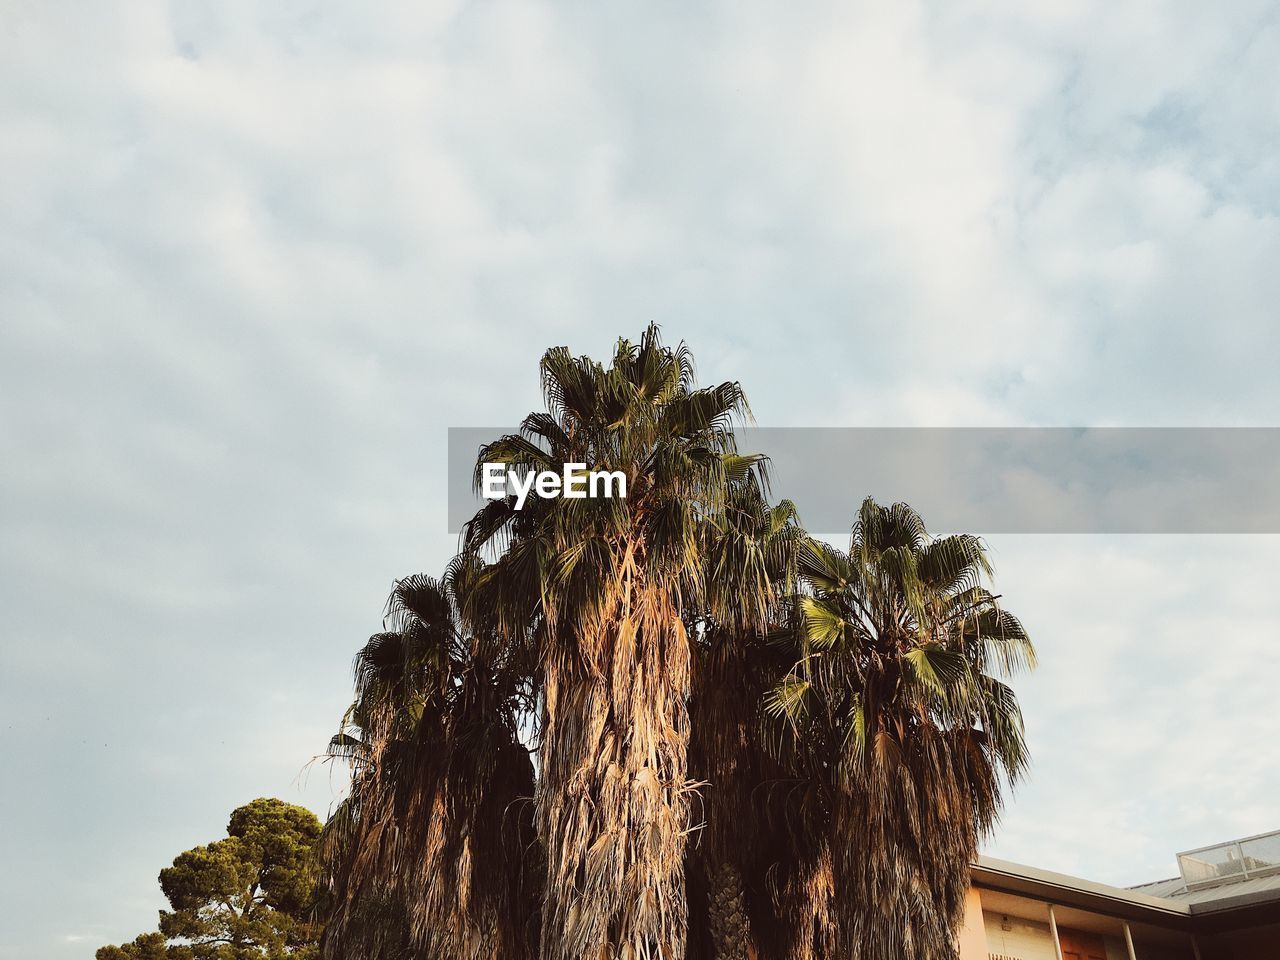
(1224, 876)
(1165, 903)
(1060, 888)
(1224, 897)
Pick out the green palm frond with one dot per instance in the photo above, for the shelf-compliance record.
(824, 623)
(787, 699)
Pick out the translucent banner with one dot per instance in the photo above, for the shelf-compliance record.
(997, 480)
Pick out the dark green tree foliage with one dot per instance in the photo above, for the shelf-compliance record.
(247, 896)
(146, 946)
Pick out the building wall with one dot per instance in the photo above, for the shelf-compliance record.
(1023, 940)
(973, 935)
(1031, 940)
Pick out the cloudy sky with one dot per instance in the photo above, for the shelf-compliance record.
(256, 259)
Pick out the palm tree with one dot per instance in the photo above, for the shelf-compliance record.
(750, 573)
(431, 852)
(903, 731)
(605, 583)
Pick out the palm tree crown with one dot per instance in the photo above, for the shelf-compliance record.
(430, 853)
(904, 725)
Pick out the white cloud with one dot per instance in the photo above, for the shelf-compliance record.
(254, 261)
(1145, 718)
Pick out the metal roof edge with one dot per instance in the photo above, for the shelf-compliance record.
(1065, 890)
(1240, 901)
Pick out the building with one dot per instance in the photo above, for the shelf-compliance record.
(1224, 905)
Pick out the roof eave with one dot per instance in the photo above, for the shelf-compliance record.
(1067, 891)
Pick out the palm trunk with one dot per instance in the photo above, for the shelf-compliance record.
(727, 914)
(613, 799)
(723, 710)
